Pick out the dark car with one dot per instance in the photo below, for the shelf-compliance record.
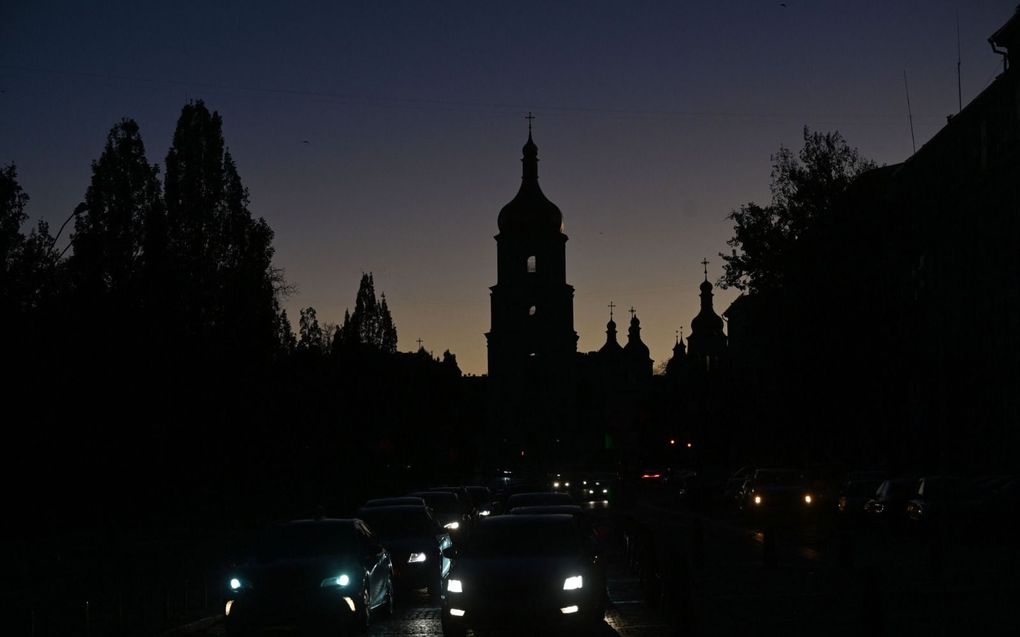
(777, 491)
(550, 509)
(525, 569)
(734, 487)
(391, 502)
(596, 487)
(467, 502)
(310, 575)
(542, 498)
(415, 542)
(482, 499)
(889, 502)
(856, 489)
(951, 499)
(447, 509)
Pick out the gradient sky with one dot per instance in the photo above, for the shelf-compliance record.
(653, 121)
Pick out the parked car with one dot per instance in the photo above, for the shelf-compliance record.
(540, 570)
(889, 502)
(311, 575)
(959, 502)
(733, 491)
(415, 542)
(856, 489)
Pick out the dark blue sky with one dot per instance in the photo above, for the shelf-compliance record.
(654, 120)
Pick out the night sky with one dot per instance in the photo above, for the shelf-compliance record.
(653, 121)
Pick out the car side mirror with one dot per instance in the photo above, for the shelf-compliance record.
(450, 553)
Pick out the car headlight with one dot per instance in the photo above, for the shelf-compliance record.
(573, 583)
(341, 580)
(453, 526)
(454, 586)
(556, 485)
(484, 512)
(417, 558)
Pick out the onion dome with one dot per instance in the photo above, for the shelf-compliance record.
(530, 212)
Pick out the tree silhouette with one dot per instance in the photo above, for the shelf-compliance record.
(27, 263)
(371, 323)
(804, 187)
(311, 336)
(226, 287)
(110, 231)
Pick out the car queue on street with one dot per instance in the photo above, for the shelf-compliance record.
(483, 555)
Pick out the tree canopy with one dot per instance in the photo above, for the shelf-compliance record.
(804, 187)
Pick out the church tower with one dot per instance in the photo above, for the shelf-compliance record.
(706, 345)
(531, 341)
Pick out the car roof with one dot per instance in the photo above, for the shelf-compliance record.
(435, 494)
(525, 520)
(399, 508)
(402, 499)
(548, 509)
(320, 521)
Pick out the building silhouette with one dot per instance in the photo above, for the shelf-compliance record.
(706, 346)
(531, 341)
(549, 404)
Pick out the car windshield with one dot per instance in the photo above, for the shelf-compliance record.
(291, 541)
(393, 524)
(532, 536)
(785, 478)
(441, 501)
(538, 499)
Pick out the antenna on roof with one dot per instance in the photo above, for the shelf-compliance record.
(959, 87)
(910, 114)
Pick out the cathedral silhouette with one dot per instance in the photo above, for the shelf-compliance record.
(547, 402)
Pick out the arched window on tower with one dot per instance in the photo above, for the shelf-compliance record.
(531, 265)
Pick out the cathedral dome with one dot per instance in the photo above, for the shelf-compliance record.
(530, 212)
(706, 322)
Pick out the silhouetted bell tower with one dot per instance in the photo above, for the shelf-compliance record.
(531, 341)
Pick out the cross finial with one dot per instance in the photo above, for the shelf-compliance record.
(704, 262)
(612, 306)
(529, 117)
(677, 337)
(419, 343)
(632, 312)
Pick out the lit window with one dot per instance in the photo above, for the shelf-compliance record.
(531, 264)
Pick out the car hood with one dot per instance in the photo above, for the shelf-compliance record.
(298, 573)
(523, 575)
(418, 544)
(776, 489)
